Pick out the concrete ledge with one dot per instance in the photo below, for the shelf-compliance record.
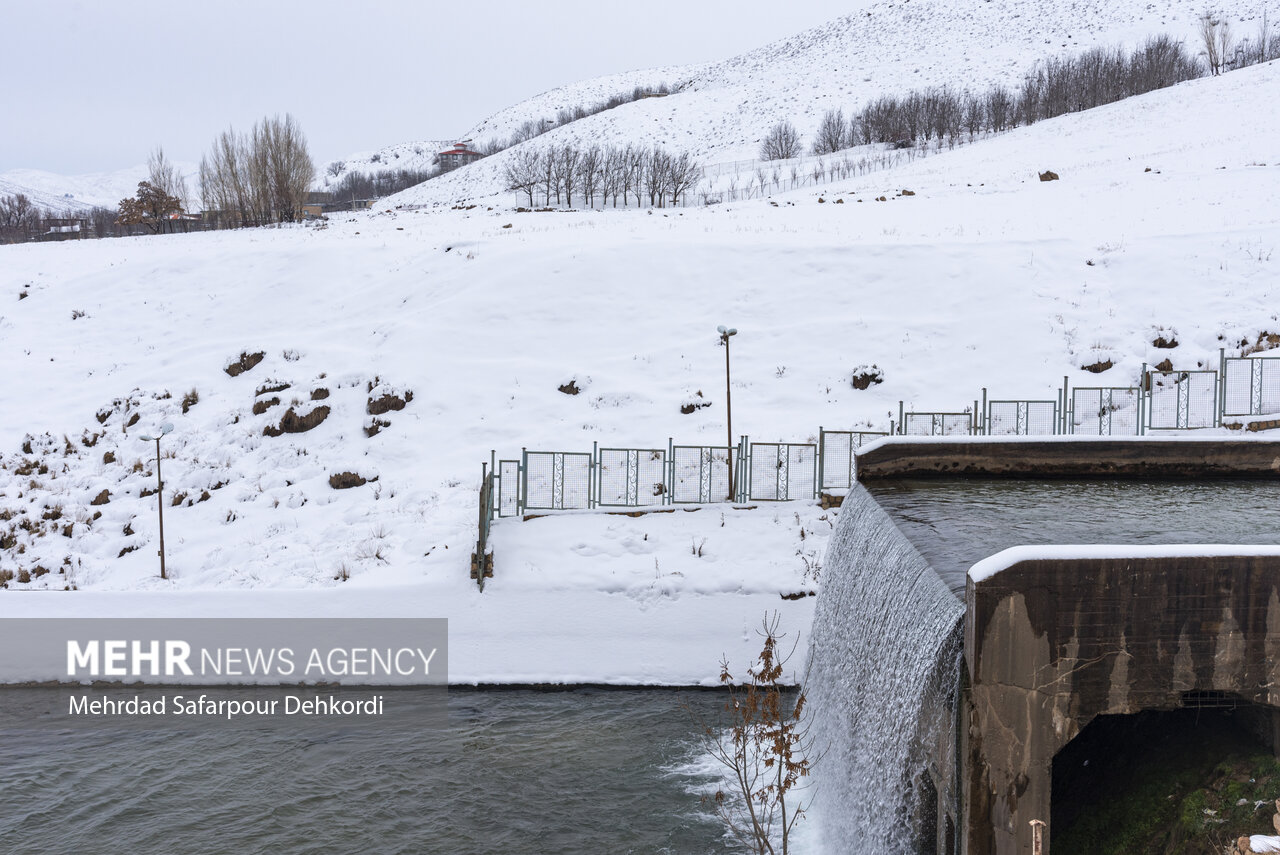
(1067, 457)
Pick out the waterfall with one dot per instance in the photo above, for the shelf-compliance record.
(884, 658)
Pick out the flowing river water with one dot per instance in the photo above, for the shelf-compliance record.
(513, 771)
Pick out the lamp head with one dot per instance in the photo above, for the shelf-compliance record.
(164, 429)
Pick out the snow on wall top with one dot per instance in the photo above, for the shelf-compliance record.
(989, 567)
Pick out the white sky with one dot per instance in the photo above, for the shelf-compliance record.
(102, 83)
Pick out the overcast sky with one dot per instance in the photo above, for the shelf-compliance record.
(101, 83)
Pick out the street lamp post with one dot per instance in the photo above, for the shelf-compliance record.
(164, 429)
(725, 333)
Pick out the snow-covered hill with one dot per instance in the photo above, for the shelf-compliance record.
(416, 156)
(1163, 224)
(985, 277)
(722, 110)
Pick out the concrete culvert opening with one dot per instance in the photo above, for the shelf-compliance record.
(1186, 780)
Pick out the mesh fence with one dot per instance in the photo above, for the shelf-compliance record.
(508, 488)
(782, 471)
(699, 474)
(557, 480)
(1251, 386)
(837, 452)
(1022, 418)
(632, 477)
(1182, 400)
(1104, 411)
(937, 424)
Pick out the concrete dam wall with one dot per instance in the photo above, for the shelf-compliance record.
(944, 694)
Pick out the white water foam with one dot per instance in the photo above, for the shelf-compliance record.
(883, 660)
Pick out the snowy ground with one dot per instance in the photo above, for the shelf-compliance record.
(985, 277)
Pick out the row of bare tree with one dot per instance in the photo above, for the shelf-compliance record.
(1054, 87)
(374, 185)
(634, 173)
(21, 220)
(259, 177)
(1221, 50)
(565, 115)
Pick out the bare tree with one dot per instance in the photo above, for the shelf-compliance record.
(611, 174)
(547, 176)
(1215, 35)
(523, 172)
(259, 178)
(164, 175)
(682, 174)
(589, 166)
(832, 133)
(974, 115)
(655, 177)
(764, 743)
(633, 165)
(781, 143)
(566, 171)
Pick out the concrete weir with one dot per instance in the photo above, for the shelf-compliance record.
(1059, 631)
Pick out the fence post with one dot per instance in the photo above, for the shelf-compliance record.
(479, 562)
(593, 472)
(522, 497)
(822, 444)
(902, 424)
(1143, 403)
(985, 405)
(1066, 386)
(1222, 385)
(669, 472)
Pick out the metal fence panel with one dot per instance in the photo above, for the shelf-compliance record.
(782, 471)
(1251, 386)
(1022, 418)
(837, 455)
(508, 488)
(632, 477)
(1104, 411)
(699, 474)
(1181, 400)
(557, 480)
(937, 424)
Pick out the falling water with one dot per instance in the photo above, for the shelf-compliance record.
(883, 663)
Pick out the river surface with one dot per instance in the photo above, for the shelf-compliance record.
(956, 523)
(514, 771)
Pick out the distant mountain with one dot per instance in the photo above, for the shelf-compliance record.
(68, 193)
(720, 111)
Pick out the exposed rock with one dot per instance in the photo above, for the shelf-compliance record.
(260, 407)
(294, 423)
(346, 480)
(1048, 175)
(245, 362)
(866, 376)
(388, 402)
(103, 497)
